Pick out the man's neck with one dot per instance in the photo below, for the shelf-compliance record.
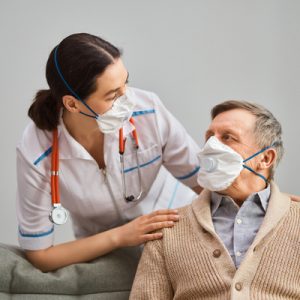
(240, 193)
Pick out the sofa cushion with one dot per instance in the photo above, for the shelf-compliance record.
(108, 277)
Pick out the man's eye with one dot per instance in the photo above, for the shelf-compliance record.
(227, 137)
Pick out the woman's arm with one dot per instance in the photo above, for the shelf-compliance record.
(133, 233)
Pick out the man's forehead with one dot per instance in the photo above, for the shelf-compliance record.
(237, 120)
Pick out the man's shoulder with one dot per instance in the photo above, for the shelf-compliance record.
(184, 211)
(184, 222)
(275, 191)
(295, 205)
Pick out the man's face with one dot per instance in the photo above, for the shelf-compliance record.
(235, 128)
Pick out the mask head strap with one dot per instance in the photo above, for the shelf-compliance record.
(69, 87)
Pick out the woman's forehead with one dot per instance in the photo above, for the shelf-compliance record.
(113, 78)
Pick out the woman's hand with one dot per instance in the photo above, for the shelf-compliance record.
(295, 198)
(141, 229)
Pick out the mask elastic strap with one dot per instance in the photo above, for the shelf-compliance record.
(257, 153)
(69, 87)
(94, 117)
(251, 170)
(252, 156)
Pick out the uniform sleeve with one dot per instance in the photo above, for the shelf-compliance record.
(151, 280)
(33, 206)
(179, 149)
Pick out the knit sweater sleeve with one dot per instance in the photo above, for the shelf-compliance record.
(152, 281)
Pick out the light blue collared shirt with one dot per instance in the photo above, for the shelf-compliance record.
(238, 226)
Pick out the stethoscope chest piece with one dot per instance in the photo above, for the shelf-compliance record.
(58, 215)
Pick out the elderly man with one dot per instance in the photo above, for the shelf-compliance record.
(240, 239)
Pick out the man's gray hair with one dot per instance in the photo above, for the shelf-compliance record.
(267, 128)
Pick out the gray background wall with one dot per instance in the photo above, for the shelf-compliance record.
(193, 53)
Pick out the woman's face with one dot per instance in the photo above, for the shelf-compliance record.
(110, 85)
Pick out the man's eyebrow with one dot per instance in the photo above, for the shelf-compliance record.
(210, 132)
(231, 131)
(115, 90)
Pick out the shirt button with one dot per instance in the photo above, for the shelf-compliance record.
(239, 221)
(238, 253)
(217, 253)
(238, 286)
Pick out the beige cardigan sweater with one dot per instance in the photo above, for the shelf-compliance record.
(191, 261)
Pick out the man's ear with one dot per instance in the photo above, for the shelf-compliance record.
(268, 158)
(71, 103)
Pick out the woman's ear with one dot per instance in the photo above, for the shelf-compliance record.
(268, 158)
(71, 103)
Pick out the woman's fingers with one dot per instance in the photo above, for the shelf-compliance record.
(151, 237)
(158, 225)
(144, 228)
(162, 218)
(163, 212)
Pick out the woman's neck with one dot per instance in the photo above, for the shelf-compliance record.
(82, 128)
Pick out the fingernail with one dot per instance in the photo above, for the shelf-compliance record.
(171, 223)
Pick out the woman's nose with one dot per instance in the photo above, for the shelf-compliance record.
(123, 90)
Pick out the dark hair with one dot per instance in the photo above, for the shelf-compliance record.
(82, 58)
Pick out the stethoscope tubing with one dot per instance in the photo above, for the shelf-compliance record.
(55, 191)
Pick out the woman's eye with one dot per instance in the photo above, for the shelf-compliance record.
(115, 96)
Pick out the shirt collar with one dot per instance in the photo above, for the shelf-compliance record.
(216, 200)
(262, 196)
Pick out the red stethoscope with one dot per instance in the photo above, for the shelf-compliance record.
(59, 214)
(122, 142)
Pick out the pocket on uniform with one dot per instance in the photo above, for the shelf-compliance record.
(149, 161)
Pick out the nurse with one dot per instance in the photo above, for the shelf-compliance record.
(101, 152)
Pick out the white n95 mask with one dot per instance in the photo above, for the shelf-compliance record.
(219, 165)
(120, 113)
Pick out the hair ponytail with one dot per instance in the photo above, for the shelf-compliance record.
(75, 63)
(45, 110)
